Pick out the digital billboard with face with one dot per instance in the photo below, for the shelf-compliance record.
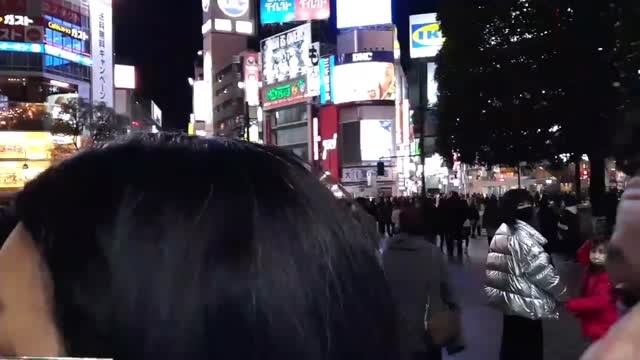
(282, 11)
(366, 81)
(356, 13)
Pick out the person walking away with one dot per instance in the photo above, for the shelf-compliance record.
(380, 216)
(490, 218)
(548, 222)
(521, 282)
(442, 221)
(474, 217)
(418, 279)
(596, 307)
(569, 228)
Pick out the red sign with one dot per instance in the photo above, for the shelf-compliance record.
(30, 34)
(312, 9)
(325, 140)
(13, 6)
(63, 10)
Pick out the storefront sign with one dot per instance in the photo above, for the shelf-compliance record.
(285, 56)
(31, 34)
(426, 36)
(74, 33)
(102, 51)
(360, 175)
(228, 16)
(16, 20)
(286, 94)
(282, 11)
(371, 56)
(326, 79)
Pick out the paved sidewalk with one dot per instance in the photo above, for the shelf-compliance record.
(483, 325)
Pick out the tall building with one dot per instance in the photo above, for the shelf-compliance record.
(52, 52)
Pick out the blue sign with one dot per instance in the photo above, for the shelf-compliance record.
(277, 11)
(327, 64)
(68, 55)
(20, 47)
(47, 49)
(234, 8)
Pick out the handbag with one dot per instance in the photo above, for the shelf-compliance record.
(444, 327)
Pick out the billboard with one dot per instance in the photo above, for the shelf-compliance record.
(251, 79)
(376, 141)
(20, 28)
(432, 84)
(156, 114)
(124, 77)
(356, 13)
(282, 11)
(288, 93)
(285, 56)
(202, 106)
(426, 36)
(366, 76)
(102, 51)
(228, 16)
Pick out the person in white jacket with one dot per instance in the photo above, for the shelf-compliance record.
(521, 281)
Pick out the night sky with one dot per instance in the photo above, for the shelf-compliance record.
(162, 38)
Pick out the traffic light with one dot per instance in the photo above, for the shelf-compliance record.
(380, 168)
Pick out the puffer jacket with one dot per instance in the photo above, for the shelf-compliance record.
(520, 278)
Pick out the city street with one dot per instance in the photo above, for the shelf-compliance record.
(483, 325)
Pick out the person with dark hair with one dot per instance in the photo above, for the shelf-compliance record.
(521, 281)
(596, 306)
(491, 217)
(569, 227)
(172, 247)
(418, 277)
(548, 223)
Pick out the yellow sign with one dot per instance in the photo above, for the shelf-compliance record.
(74, 33)
(24, 145)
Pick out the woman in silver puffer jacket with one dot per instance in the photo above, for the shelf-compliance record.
(521, 281)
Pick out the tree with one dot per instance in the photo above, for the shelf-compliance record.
(78, 118)
(524, 80)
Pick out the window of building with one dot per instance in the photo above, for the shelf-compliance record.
(291, 136)
(289, 115)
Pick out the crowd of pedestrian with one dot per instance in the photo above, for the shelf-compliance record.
(99, 259)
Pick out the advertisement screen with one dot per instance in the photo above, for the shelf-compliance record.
(355, 13)
(375, 139)
(156, 114)
(125, 77)
(102, 51)
(432, 84)
(282, 11)
(327, 65)
(229, 16)
(202, 106)
(365, 81)
(285, 56)
(426, 36)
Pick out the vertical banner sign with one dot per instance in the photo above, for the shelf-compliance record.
(251, 79)
(326, 79)
(102, 51)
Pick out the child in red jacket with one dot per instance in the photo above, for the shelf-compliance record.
(596, 309)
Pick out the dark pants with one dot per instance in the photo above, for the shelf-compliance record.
(433, 352)
(522, 339)
(454, 240)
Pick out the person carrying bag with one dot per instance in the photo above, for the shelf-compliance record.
(417, 276)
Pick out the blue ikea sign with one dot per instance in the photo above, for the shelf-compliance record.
(426, 35)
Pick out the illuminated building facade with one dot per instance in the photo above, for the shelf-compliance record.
(52, 53)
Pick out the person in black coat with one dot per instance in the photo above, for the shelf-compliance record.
(491, 217)
(548, 222)
(417, 275)
(569, 228)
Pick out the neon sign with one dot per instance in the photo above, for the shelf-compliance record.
(9, 46)
(74, 33)
(16, 20)
(20, 47)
